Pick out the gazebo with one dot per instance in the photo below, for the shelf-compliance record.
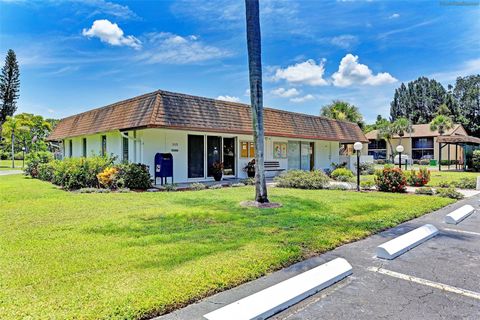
(468, 143)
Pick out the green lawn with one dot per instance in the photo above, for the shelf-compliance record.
(131, 255)
(436, 177)
(7, 164)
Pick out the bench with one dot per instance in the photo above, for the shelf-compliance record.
(272, 166)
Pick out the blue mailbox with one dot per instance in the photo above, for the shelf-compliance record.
(163, 166)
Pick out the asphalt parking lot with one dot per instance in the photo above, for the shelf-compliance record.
(439, 279)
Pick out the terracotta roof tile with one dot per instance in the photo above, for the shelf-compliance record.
(162, 109)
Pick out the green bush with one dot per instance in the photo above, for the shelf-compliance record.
(77, 173)
(390, 180)
(19, 155)
(134, 176)
(34, 159)
(4, 155)
(449, 193)
(367, 168)
(197, 186)
(476, 161)
(367, 185)
(418, 179)
(46, 171)
(342, 174)
(466, 183)
(302, 179)
(425, 191)
(445, 184)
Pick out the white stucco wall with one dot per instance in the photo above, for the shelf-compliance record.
(151, 141)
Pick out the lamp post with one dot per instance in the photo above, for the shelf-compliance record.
(23, 150)
(358, 147)
(399, 150)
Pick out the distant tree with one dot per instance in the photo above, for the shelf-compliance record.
(467, 95)
(418, 100)
(9, 87)
(13, 127)
(443, 110)
(381, 121)
(341, 110)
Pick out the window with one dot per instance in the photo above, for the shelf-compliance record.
(196, 156)
(377, 144)
(104, 146)
(247, 149)
(125, 148)
(84, 147)
(422, 148)
(70, 148)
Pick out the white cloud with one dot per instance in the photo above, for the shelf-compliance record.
(351, 72)
(467, 68)
(307, 97)
(286, 93)
(229, 98)
(344, 41)
(111, 33)
(174, 49)
(307, 72)
(394, 16)
(102, 7)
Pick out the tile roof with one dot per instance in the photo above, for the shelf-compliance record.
(162, 109)
(422, 130)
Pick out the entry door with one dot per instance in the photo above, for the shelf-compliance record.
(293, 154)
(229, 156)
(214, 153)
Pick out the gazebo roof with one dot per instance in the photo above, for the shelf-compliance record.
(460, 139)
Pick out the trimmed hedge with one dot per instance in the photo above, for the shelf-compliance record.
(300, 179)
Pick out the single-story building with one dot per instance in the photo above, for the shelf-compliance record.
(199, 131)
(422, 143)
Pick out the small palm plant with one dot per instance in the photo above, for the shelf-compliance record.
(441, 123)
(401, 126)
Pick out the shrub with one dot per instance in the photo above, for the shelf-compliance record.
(466, 183)
(197, 186)
(380, 161)
(215, 186)
(425, 191)
(449, 193)
(248, 181)
(342, 174)
(367, 185)
(302, 179)
(338, 186)
(4, 155)
(135, 175)
(339, 165)
(476, 160)
(109, 178)
(168, 187)
(367, 168)
(19, 155)
(46, 171)
(444, 184)
(390, 180)
(448, 162)
(87, 190)
(33, 159)
(420, 178)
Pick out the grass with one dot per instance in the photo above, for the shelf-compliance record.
(135, 255)
(437, 177)
(7, 164)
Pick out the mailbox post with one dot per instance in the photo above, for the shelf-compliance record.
(163, 167)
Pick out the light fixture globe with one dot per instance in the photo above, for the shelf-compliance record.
(400, 149)
(357, 146)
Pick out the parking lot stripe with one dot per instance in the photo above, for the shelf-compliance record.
(462, 231)
(437, 285)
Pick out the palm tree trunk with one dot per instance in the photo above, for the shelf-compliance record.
(256, 95)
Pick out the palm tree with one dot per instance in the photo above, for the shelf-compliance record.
(341, 110)
(13, 127)
(386, 131)
(441, 123)
(400, 127)
(256, 95)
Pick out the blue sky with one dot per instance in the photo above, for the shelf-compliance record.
(78, 55)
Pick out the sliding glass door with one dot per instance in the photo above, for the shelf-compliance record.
(213, 153)
(229, 156)
(300, 155)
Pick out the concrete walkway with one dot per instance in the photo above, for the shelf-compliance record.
(9, 172)
(450, 260)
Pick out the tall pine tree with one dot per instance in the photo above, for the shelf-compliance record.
(418, 100)
(9, 87)
(467, 96)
